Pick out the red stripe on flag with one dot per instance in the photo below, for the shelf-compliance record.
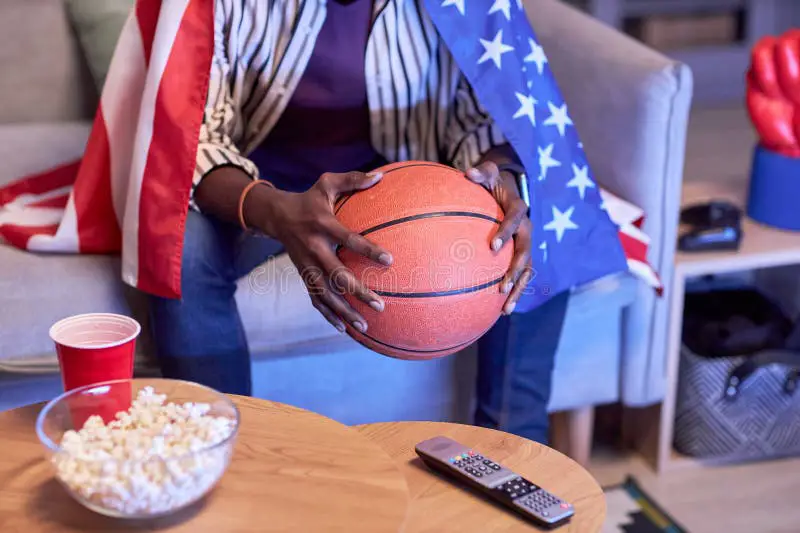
(98, 231)
(41, 183)
(173, 150)
(20, 235)
(634, 248)
(147, 12)
(55, 201)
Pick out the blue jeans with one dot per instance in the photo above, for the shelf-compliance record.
(200, 337)
(515, 369)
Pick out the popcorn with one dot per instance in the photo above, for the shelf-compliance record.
(147, 461)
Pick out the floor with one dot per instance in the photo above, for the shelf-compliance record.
(753, 498)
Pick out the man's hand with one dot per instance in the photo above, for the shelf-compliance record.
(305, 224)
(516, 226)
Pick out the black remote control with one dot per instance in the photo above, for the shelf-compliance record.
(498, 482)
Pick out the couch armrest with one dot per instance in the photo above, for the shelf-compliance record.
(630, 105)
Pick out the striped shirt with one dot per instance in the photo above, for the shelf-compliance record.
(421, 105)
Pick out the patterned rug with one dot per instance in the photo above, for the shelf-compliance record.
(631, 510)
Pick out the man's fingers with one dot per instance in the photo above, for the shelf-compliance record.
(521, 260)
(335, 184)
(485, 174)
(322, 292)
(342, 279)
(519, 286)
(357, 243)
(514, 215)
(341, 308)
(329, 315)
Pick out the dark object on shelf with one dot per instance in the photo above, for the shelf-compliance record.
(739, 367)
(712, 226)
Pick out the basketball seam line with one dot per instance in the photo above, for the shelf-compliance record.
(336, 211)
(434, 294)
(434, 214)
(460, 345)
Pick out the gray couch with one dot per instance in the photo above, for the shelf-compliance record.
(630, 105)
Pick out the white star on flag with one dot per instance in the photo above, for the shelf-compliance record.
(501, 5)
(458, 3)
(558, 118)
(526, 104)
(543, 248)
(546, 160)
(536, 56)
(494, 48)
(580, 179)
(561, 222)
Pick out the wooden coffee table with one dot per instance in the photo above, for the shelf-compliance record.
(438, 506)
(292, 470)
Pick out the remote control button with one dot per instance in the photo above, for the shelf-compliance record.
(471, 452)
(479, 457)
(481, 468)
(545, 513)
(565, 506)
(477, 474)
(513, 494)
(496, 467)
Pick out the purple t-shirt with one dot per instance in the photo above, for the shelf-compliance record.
(325, 126)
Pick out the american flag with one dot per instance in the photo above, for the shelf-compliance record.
(129, 193)
(575, 240)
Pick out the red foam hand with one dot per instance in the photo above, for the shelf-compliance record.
(773, 92)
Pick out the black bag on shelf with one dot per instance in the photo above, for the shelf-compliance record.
(739, 366)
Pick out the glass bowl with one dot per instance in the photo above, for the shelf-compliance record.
(152, 471)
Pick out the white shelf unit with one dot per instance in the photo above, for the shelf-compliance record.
(762, 253)
(718, 70)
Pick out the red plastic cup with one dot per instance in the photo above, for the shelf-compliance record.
(94, 348)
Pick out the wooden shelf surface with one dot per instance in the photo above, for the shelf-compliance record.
(762, 246)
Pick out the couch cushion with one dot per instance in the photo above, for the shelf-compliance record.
(38, 290)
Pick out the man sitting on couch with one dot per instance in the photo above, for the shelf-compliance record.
(359, 84)
(228, 129)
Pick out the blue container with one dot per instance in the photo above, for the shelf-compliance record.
(774, 197)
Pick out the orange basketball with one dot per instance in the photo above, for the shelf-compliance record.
(442, 291)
